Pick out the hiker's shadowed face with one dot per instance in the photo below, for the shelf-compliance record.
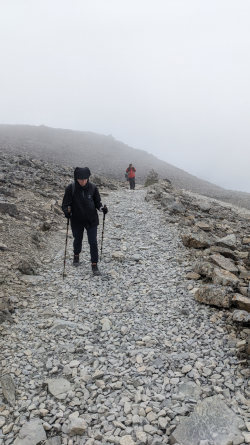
(82, 182)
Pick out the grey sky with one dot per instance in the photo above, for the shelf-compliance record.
(168, 76)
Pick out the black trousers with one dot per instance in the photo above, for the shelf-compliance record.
(77, 231)
(132, 183)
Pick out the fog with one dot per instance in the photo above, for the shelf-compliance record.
(167, 76)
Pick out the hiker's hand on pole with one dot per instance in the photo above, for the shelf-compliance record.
(68, 213)
(104, 209)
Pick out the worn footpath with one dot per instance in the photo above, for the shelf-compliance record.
(123, 358)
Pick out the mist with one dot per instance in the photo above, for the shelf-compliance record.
(168, 77)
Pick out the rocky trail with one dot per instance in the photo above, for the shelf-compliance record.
(125, 358)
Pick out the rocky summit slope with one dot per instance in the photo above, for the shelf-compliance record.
(106, 156)
(131, 357)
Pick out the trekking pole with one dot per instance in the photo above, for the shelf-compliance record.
(66, 242)
(103, 221)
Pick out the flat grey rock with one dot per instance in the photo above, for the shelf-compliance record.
(224, 278)
(58, 387)
(8, 388)
(54, 441)
(31, 433)
(211, 420)
(190, 389)
(228, 241)
(63, 324)
(196, 240)
(224, 263)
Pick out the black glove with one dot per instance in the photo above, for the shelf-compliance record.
(67, 215)
(104, 209)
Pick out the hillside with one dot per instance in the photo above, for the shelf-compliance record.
(105, 156)
(141, 353)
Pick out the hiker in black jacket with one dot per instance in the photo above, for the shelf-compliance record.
(81, 199)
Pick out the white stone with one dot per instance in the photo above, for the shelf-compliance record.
(186, 369)
(106, 324)
(77, 426)
(127, 440)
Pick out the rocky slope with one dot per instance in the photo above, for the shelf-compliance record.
(218, 238)
(104, 155)
(131, 357)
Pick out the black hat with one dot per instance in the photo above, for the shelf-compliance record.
(82, 173)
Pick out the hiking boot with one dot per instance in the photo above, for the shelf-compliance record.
(76, 260)
(95, 269)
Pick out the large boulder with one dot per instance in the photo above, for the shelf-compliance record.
(224, 263)
(167, 199)
(196, 240)
(225, 251)
(204, 268)
(225, 278)
(241, 302)
(176, 207)
(241, 316)
(229, 241)
(31, 433)
(214, 295)
(212, 421)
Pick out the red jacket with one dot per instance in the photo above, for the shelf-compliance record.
(131, 172)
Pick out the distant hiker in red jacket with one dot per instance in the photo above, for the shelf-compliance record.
(131, 176)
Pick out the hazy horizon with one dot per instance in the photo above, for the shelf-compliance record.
(171, 78)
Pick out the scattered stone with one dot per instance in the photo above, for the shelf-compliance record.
(118, 256)
(189, 390)
(186, 369)
(26, 268)
(77, 425)
(106, 324)
(193, 276)
(127, 440)
(58, 387)
(204, 226)
(162, 352)
(8, 388)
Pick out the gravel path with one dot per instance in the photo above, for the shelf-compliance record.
(125, 342)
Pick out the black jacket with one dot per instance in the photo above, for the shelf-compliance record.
(83, 202)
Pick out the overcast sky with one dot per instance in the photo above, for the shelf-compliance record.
(168, 76)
